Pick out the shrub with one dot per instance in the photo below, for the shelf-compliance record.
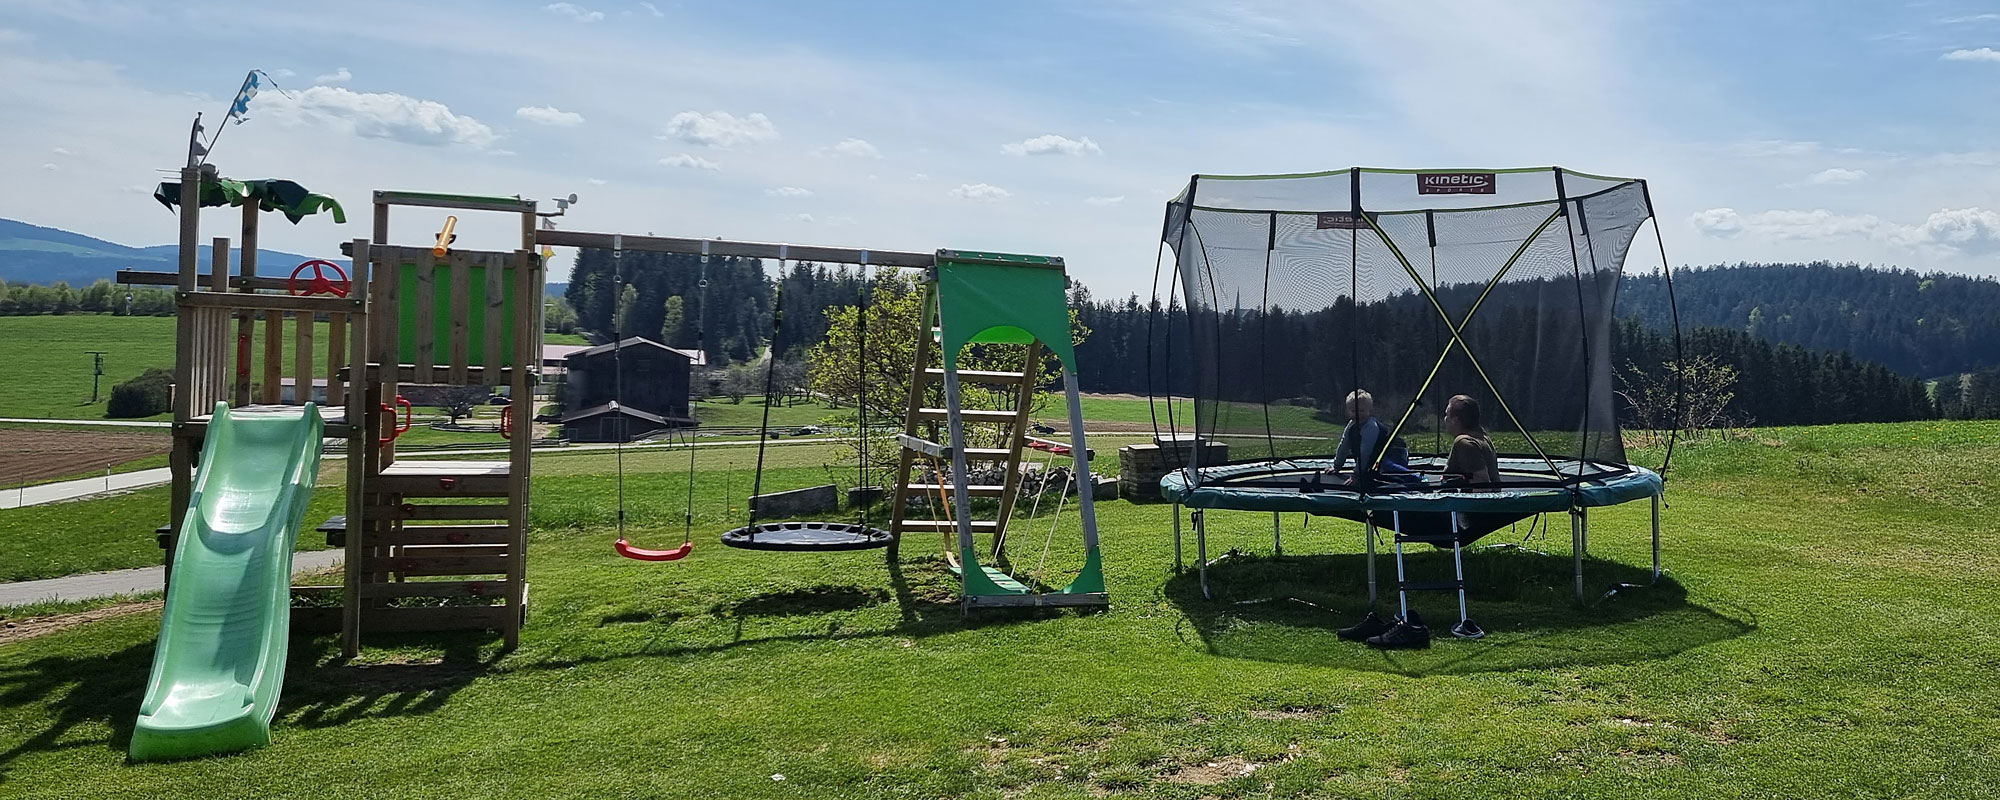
(143, 396)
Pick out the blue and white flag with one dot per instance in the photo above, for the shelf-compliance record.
(239, 110)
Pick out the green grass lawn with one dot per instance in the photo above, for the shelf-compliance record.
(1826, 631)
(49, 358)
(750, 413)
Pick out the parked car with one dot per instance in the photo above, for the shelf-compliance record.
(1043, 428)
(499, 400)
(808, 430)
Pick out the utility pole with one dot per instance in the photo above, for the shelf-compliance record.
(97, 371)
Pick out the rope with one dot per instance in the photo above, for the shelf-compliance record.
(770, 370)
(1037, 508)
(618, 372)
(1054, 523)
(861, 381)
(701, 346)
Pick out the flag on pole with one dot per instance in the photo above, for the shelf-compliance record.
(239, 109)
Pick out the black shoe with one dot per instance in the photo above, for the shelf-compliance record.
(1467, 629)
(1410, 633)
(1369, 626)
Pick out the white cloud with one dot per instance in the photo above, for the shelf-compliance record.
(282, 73)
(855, 148)
(575, 12)
(61, 151)
(549, 115)
(686, 161)
(982, 192)
(1958, 229)
(1051, 145)
(337, 76)
(596, 181)
(1969, 18)
(1837, 175)
(796, 217)
(1104, 201)
(789, 191)
(720, 129)
(379, 115)
(918, 176)
(1982, 54)
(653, 10)
(1947, 232)
(1770, 148)
(50, 167)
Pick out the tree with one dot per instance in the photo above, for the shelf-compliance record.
(628, 307)
(879, 386)
(742, 380)
(560, 317)
(670, 325)
(148, 394)
(458, 402)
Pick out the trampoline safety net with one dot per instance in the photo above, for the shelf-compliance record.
(1414, 285)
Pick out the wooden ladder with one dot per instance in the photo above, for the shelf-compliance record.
(923, 437)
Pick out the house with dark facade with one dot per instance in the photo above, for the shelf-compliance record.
(654, 394)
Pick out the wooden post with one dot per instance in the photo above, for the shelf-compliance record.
(336, 357)
(527, 280)
(360, 454)
(274, 356)
(180, 460)
(246, 325)
(218, 266)
(302, 357)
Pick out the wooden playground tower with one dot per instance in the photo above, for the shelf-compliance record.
(429, 545)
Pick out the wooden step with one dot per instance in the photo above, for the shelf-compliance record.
(988, 454)
(976, 490)
(968, 415)
(413, 565)
(442, 485)
(439, 513)
(439, 534)
(986, 376)
(437, 618)
(946, 525)
(435, 589)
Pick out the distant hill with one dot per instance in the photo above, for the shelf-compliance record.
(1927, 324)
(37, 254)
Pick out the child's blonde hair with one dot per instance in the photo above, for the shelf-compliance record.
(1360, 398)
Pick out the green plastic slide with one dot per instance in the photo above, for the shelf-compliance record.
(220, 658)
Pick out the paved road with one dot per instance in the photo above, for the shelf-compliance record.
(71, 490)
(108, 423)
(125, 581)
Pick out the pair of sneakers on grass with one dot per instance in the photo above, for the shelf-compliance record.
(1405, 633)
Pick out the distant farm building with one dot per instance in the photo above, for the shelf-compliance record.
(654, 395)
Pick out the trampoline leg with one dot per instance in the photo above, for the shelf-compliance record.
(1277, 535)
(1177, 538)
(1371, 561)
(1402, 595)
(1576, 548)
(1656, 541)
(1459, 571)
(1201, 551)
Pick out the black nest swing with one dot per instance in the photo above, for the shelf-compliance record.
(816, 536)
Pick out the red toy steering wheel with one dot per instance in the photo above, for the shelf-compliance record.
(318, 284)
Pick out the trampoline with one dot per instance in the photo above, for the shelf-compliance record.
(1288, 294)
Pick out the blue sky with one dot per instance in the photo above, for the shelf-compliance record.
(1769, 130)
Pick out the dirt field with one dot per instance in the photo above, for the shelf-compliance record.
(39, 455)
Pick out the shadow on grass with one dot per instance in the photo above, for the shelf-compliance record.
(80, 691)
(924, 591)
(1289, 609)
(324, 690)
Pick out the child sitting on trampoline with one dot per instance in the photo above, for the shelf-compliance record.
(1364, 438)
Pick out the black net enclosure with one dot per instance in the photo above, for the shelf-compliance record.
(1371, 297)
